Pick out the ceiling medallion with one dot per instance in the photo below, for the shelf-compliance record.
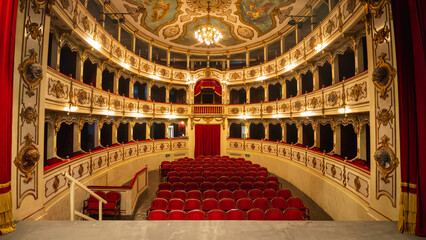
(207, 33)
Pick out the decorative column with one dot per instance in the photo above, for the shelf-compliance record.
(148, 130)
(317, 138)
(168, 93)
(266, 126)
(228, 62)
(283, 132)
(299, 83)
(360, 56)
(265, 53)
(131, 125)
(283, 88)
(114, 132)
(115, 81)
(247, 58)
(265, 86)
(149, 91)
(247, 129)
(79, 66)
(166, 125)
(299, 126)
(98, 82)
(150, 51)
(247, 94)
(282, 43)
(132, 86)
(335, 70)
(168, 57)
(188, 67)
(337, 139)
(315, 76)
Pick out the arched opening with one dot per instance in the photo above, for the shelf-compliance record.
(68, 61)
(123, 86)
(88, 137)
(346, 64)
(348, 142)
(274, 91)
(158, 94)
(52, 58)
(291, 87)
(89, 72)
(257, 131)
(108, 80)
(291, 132)
(325, 75)
(308, 135)
(307, 82)
(275, 132)
(326, 136)
(235, 130)
(123, 133)
(158, 131)
(208, 91)
(257, 95)
(106, 134)
(65, 140)
(177, 95)
(139, 131)
(237, 96)
(140, 91)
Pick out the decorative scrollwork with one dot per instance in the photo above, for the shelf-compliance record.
(27, 158)
(31, 72)
(386, 159)
(383, 75)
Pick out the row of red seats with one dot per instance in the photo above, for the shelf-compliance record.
(217, 173)
(234, 214)
(218, 186)
(91, 205)
(237, 194)
(212, 163)
(226, 204)
(213, 179)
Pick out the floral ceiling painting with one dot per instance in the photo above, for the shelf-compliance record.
(241, 22)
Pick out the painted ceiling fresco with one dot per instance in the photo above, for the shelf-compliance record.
(242, 22)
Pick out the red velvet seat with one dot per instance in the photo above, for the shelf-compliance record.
(248, 179)
(255, 193)
(262, 174)
(166, 194)
(292, 214)
(231, 186)
(272, 178)
(226, 204)
(251, 174)
(191, 186)
(186, 179)
(247, 162)
(284, 193)
(157, 204)
(246, 186)
(298, 203)
(172, 174)
(195, 173)
(279, 202)
(211, 179)
(229, 173)
(272, 185)
(191, 204)
(244, 204)
(269, 193)
(252, 169)
(183, 174)
(194, 194)
(224, 179)
(179, 194)
(198, 168)
(157, 215)
(261, 203)
(235, 214)
(224, 194)
(178, 186)
(177, 215)
(242, 169)
(240, 174)
(205, 186)
(231, 169)
(274, 214)
(259, 185)
(220, 168)
(209, 204)
(260, 179)
(210, 194)
(195, 215)
(216, 214)
(165, 186)
(175, 204)
(174, 180)
(178, 169)
(217, 173)
(238, 194)
(206, 174)
(211, 169)
(255, 214)
(237, 179)
(255, 165)
(262, 169)
(198, 179)
(113, 205)
(166, 168)
(219, 186)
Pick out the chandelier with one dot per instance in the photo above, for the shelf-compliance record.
(207, 33)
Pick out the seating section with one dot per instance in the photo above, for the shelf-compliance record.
(222, 188)
(112, 207)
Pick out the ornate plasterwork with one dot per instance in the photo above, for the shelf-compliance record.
(167, 21)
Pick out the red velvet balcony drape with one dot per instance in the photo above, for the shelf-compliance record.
(207, 140)
(208, 83)
(8, 12)
(410, 31)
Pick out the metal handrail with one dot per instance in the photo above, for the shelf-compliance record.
(73, 212)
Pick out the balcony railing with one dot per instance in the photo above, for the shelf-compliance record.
(207, 109)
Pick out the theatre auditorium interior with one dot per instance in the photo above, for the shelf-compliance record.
(213, 119)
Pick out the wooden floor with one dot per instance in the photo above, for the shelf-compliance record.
(203, 230)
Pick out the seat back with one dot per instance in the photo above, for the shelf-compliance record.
(112, 196)
(191, 186)
(218, 186)
(226, 204)
(279, 202)
(224, 179)
(269, 193)
(175, 204)
(261, 203)
(260, 179)
(211, 179)
(259, 185)
(158, 204)
(231, 186)
(244, 204)
(237, 179)
(186, 179)
(284, 193)
(177, 215)
(255, 193)
(235, 214)
(195, 215)
(238, 194)
(272, 178)
(248, 179)
(198, 179)
(224, 194)
(157, 215)
(255, 214)
(246, 186)
(178, 186)
(209, 204)
(174, 179)
(274, 214)
(179, 194)
(293, 214)
(272, 185)
(166, 194)
(216, 214)
(206, 186)
(165, 186)
(210, 194)
(191, 204)
(194, 194)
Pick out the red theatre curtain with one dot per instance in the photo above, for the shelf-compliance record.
(207, 140)
(7, 44)
(208, 83)
(410, 31)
